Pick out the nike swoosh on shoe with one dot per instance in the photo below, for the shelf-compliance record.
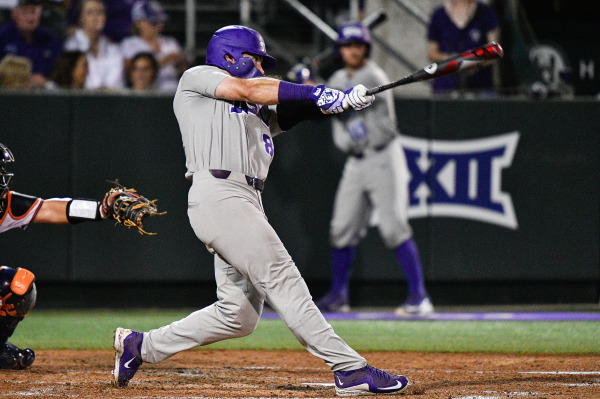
(398, 385)
(126, 365)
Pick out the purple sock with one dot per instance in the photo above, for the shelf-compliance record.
(408, 257)
(341, 261)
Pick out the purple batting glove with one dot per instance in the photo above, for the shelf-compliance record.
(330, 101)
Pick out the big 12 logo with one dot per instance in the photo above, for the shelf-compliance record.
(461, 178)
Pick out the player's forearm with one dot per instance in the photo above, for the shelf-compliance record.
(256, 91)
(53, 212)
(69, 211)
(265, 91)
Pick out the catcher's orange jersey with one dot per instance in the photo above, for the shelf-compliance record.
(19, 210)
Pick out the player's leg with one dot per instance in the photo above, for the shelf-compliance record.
(388, 189)
(235, 314)
(266, 262)
(14, 306)
(239, 305)
(12, 357)
(236, 228)
(348, 226)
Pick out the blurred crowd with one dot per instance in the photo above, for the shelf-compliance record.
(119, 45)
(110, 45)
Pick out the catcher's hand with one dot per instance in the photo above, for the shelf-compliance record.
(128, 207)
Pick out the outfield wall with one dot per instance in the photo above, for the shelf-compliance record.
(504, 193)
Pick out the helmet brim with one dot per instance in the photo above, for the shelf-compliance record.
(268, 61)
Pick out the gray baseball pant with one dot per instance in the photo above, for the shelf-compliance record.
(251, 265)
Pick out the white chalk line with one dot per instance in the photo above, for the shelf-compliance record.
(562, 372)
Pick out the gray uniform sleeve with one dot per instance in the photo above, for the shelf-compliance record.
(203, 80)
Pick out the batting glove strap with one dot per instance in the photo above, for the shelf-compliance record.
(330, 101)
(358, 99)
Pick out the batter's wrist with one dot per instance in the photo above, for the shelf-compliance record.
(294, 92)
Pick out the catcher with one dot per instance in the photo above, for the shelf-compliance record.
(17, 286)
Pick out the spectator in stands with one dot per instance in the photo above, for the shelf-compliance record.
(106, 65)
(24, 36)
(457, 26)
(142, 72)
(148, 18)
(15, 72)
(70, 71)
(118, 18)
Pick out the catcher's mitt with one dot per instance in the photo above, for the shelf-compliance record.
(128, 207)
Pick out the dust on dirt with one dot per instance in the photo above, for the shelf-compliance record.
(210, 373)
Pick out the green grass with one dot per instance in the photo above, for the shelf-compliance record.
(92, 329)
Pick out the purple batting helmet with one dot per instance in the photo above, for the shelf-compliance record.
(233, 40)
(354, 33)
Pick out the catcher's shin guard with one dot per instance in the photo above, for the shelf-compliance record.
(9, 356)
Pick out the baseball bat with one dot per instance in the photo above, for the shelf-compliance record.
(469, 59)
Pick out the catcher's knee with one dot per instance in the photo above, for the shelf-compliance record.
(17, 290)
(12, 357)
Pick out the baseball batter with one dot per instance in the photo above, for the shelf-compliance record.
(375, 178)
(227, 121)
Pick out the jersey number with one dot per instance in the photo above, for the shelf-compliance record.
(268, 145)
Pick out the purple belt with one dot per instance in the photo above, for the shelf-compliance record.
(253, 182)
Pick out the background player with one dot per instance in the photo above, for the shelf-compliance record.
(375, 178)
(227, 123)
(17, 286)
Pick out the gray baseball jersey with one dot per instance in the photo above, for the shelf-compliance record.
(242, 140)
(251, 263)
(375, 177)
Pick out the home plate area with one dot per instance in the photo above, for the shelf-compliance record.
(212, 374)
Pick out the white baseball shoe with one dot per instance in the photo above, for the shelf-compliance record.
(423, 307)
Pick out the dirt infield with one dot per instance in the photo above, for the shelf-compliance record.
(297, 374)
